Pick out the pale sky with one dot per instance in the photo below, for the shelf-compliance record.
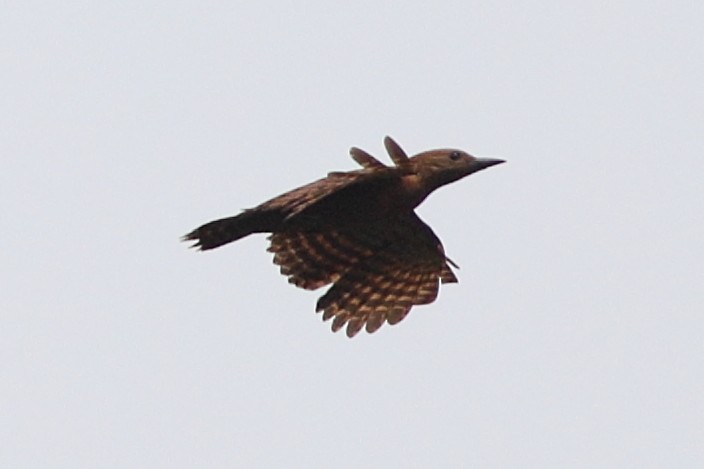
(574, 338)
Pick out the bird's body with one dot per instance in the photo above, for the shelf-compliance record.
(357, 230)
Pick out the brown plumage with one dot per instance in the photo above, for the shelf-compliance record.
(358, 230)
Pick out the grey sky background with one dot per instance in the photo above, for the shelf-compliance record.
(574, 338)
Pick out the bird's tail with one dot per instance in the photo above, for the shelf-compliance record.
(226, 230)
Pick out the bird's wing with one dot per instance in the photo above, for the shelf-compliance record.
(364, 159)
(306, 197)
(379, 271)
(312, 259)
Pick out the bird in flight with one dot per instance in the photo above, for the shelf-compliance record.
(358, 231)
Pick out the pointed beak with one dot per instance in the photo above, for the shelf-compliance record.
(483, 163)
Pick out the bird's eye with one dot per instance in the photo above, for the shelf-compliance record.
(455, 155)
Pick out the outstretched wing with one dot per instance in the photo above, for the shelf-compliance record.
(378, 270)
(312, 259)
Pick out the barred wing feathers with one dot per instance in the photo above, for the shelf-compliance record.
(379, 270)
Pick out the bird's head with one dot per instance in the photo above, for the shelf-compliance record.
(431, 169)
(439, 167)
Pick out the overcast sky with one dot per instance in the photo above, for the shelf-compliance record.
(574, 338)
